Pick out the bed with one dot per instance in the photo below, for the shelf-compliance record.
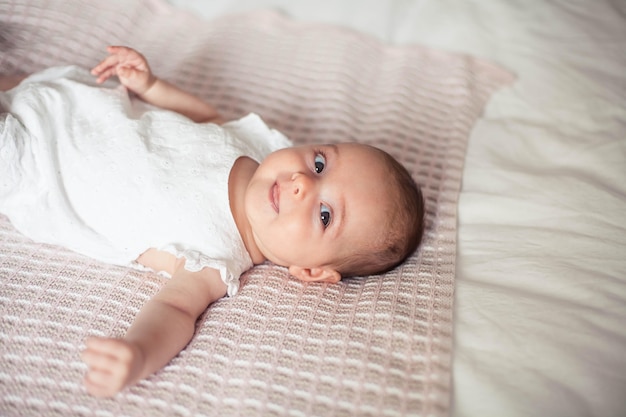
(516, 304)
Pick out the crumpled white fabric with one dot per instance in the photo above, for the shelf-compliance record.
(89, 168)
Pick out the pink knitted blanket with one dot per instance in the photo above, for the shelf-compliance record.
(372, 346)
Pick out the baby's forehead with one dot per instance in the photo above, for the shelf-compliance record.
(362, 153)
(370, 200)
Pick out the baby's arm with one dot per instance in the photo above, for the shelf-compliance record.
(7, 82)
(163, 327)
(134, 73)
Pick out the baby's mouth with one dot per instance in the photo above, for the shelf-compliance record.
(275, 197)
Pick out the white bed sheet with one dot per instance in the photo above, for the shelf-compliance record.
(540, 307)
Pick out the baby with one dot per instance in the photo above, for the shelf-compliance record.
(124, 180)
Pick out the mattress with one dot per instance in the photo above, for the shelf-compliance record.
(540, 288)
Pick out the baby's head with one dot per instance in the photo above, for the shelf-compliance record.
(329, 211)
(402, 227)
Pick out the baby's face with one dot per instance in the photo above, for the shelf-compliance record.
(311, 205)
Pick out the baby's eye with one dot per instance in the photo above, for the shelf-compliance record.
(325, 216)
(320, 163)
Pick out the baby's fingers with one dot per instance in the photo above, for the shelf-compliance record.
(104, 75)
(98, 360)
(102, 383)
(106, 375)
(117, 55)
(110, 364)
(106, 68)
(128, 57)
(115, 348)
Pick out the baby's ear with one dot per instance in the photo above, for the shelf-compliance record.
(315, 274)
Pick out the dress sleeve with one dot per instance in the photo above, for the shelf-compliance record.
(260, 139)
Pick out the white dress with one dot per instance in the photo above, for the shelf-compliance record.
(86, 167)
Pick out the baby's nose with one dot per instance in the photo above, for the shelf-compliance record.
(301, 184)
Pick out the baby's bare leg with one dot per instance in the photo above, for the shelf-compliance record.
(7, 82)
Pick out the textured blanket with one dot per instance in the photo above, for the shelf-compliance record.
(369, 346)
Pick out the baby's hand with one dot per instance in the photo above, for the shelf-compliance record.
(113, 364)
(130, 67)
